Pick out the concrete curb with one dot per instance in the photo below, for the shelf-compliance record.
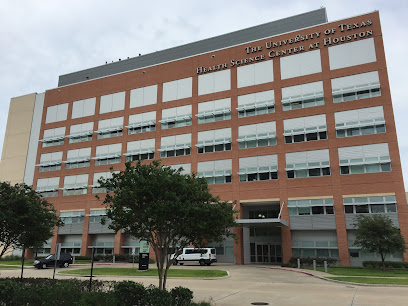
(141, 276)
(335, 280)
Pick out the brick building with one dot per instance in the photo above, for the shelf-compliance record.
(292, 119)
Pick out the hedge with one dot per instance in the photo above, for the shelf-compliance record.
(308, 262)
(43, 291)
(388, 264)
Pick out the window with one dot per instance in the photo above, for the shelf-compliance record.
(80, 132)
(258, 103)
(216, 172)
(140, 150)
(308, 164)
(53, 137)
(356, 87)
(108, 154)
(50, 162)
(370, 205)
(56, 113)
(110, 128)
(311, 207)
(212, 111)
(214, 82)
(257, 135)
(352, 54)
(112, 103)
(356, 122)
(178, 145)
(75, 185)
(186, 168)
(255, 74)
(143, 96)
(258, 168)
(140, 123)
(322, 249)
(72, 217)
(96, 215)
(302, 96)
(101, 175)
(74, 247)
(365, 159)
(214, 141)
(300, 64)
(305, 129)
(176, 117)
(83, 108)
(178, 89)
(78, 158)
(48, 187)
(103, 247)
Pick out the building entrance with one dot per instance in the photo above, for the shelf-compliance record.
(266, 253)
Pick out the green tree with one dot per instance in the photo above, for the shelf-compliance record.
(26, 219)
(377, 234)
(170, 210)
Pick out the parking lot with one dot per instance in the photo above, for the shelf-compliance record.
(248, 284)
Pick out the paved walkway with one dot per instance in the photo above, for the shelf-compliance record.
(248, 284)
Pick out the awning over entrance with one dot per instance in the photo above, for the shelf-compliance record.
(275, 222)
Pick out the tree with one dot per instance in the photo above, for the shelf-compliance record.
(26, 219)
(377, 234)
(168, 209)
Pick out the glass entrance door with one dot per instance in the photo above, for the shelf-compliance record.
(266, 253)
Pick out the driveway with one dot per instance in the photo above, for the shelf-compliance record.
(249, 284)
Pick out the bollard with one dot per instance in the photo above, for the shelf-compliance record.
(73, 260)
(314, 264)
(298, 262)
(325, 266)
(113, 259)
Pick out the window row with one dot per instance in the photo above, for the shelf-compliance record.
(344, 89)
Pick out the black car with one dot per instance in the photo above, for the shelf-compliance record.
(64, 261)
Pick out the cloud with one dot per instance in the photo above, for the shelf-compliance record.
(43, 39)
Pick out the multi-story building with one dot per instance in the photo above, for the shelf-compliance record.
(291, 119)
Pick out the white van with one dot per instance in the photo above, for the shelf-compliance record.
(204, 256)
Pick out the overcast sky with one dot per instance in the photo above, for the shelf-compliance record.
(42, 39)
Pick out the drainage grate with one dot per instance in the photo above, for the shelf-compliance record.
(259, 303)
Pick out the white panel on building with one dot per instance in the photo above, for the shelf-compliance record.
(56, 113)
(143, 117)
(254, 74)
(83, 108)
(143, 96)
(352, 54)
(300, 64)
(178, 89)
(186, 168)
(258, 97)
(214, 82)
(112, 102)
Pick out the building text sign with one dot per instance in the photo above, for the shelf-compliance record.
(297, 44)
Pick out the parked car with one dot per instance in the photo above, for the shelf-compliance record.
(64, 261)
(204, 256)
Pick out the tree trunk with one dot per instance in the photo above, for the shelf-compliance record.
(22, 263)
(382, 260)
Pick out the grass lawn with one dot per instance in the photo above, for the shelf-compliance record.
(367, 280)
(15, 263)
(359, 271)
(150, 272)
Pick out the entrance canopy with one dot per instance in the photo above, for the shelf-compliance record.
(274, 222)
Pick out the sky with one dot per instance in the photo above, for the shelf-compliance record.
(43, 39)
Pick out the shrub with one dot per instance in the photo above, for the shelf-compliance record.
(388, 264)
(82, 257)
(308, 261)
(157, 297)
(130, 293)
(181, 296)
(98, 298)
(8, 291)
(10, 258)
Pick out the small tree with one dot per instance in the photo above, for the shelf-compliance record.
(168, 209)
(26, 219)
(377, 234)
